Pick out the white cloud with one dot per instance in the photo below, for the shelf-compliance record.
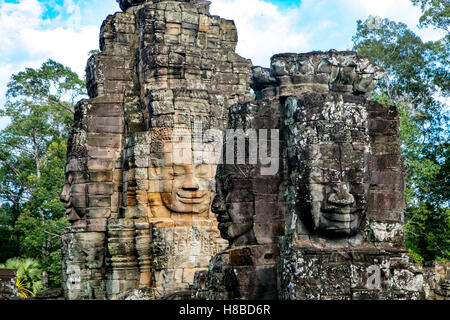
(398, 10)
(263, 28)
(65, 45)
(27, 40)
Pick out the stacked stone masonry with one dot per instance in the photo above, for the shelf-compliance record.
(250, 208)
(154, 212)
(344, 212)
(8, 289)
(437, 281)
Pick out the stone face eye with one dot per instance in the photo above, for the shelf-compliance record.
(178, 171)
(202, 170)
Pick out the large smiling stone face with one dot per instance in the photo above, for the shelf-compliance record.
(184, 179)
(329, 150)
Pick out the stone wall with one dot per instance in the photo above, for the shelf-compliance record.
(437, 281)
(8, 287)
(250, 205)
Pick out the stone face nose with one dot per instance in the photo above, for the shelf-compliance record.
(65, 194)
(218, 205)
(190, 183)
(341, 196)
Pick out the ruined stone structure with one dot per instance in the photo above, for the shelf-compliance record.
(307, 205)
(250, 207)
(139, 178)
(8, 289)
(437, 281)
(339, 190)
(344, 217)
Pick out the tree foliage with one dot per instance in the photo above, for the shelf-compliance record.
(435, 13)
(29, 272)
(417, 82)
(40, 106)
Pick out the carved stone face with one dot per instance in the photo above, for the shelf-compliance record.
(330, 146)
(186, 179)
(190, 187)
(234, 215)
(74, 192)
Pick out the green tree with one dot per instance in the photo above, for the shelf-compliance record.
(9, 246)
(435, 13)
(40, 103)
(417, 82)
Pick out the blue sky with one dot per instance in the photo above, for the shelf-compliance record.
(32, 31)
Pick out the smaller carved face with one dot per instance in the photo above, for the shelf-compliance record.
(74, 192)
(125, 4)
(235, 217)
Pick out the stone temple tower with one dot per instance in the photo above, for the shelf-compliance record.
(140, 167)
(338, 193)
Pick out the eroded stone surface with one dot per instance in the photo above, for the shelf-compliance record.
(155, 215)
(437, 281)
(8, 289)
